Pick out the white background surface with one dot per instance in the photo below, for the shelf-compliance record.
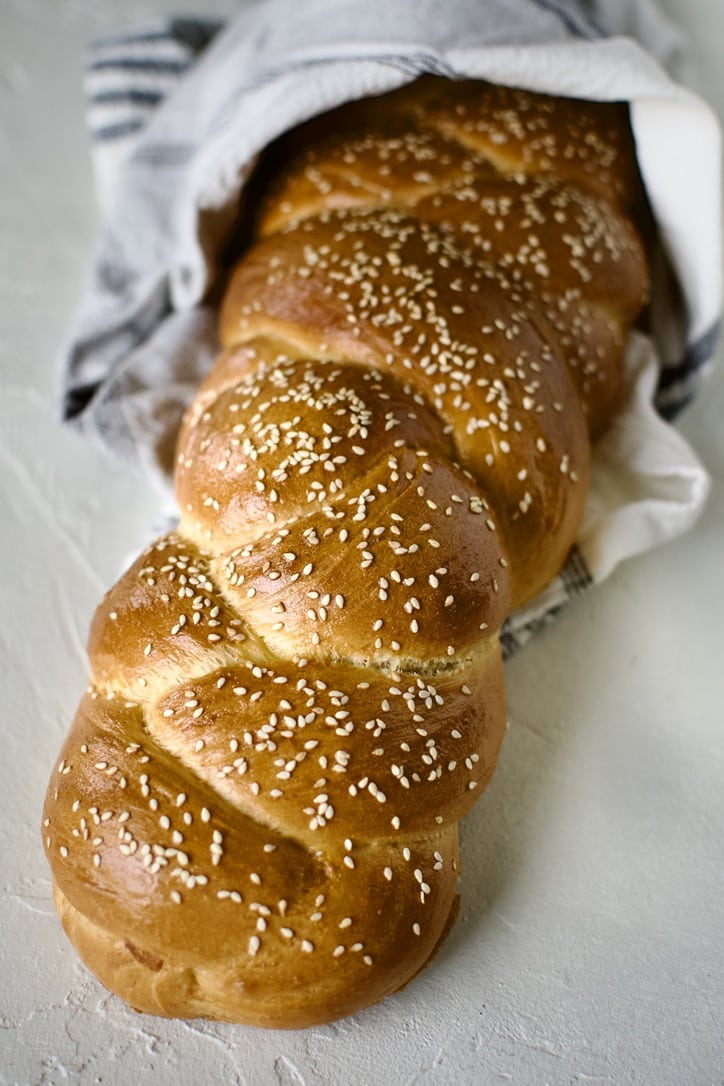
(590, 946)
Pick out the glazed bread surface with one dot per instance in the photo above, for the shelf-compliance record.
(296, 696)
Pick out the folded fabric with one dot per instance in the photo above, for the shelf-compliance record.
(180, 113)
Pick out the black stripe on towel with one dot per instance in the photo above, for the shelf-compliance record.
(575, 575)
(679, 384)
(107, 132)
(696, 356)
(127, 96)
(154, 65)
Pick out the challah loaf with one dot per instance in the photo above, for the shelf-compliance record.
(297, 696)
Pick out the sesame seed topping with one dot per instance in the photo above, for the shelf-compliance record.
(335, 673)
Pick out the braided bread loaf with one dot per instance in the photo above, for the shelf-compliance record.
(297, 696)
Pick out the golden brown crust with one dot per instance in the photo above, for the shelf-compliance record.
(477, 349)
(191, 902)
(298, 695)
(541, 188)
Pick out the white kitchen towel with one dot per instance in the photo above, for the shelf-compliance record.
(179, 114)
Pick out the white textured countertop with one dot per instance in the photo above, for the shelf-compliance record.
(590, 947)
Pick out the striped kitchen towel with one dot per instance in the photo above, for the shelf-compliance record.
(179, 113)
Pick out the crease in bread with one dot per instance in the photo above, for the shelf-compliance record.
(296, 696)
